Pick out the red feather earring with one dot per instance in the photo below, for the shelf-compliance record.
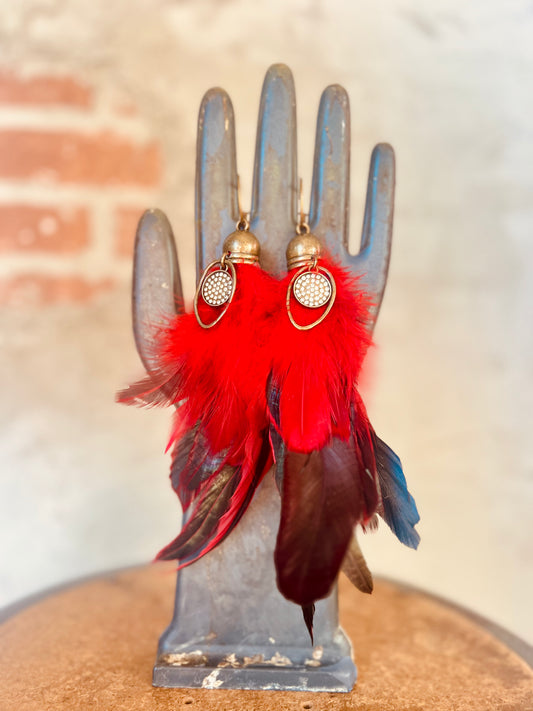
(327, 464)
(212, 364)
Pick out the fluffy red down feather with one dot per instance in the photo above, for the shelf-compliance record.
(223, 369)
(316, 370)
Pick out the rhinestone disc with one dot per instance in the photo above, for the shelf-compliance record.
(216, 289)
(312, 289)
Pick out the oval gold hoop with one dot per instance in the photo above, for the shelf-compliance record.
(331, 301)
(225, 264)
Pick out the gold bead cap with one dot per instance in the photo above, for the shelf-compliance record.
(302, 249)
(243, 247)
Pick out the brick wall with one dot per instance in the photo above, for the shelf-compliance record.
(77, 168)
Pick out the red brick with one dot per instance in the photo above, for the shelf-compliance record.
(32, 228)
(38, 290)
(101, 159)
(43, 90)
(126, 220)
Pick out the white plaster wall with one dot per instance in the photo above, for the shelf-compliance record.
(84, 483)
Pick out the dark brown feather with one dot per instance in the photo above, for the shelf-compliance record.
(355, 568)
(308, 612)
(207, 526)
(192, 465)
(364, 447)
(157, 389)
(204, 519)
(321, 503)
(262, 465)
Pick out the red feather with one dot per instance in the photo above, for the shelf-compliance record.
(317, 370)
(221, 371)
(321, 439)
(217, 377)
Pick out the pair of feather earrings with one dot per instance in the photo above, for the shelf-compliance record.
(264, 372)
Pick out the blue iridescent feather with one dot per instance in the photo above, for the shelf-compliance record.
(399, 507)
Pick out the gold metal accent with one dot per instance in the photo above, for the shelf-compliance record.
(303, 248)
(242, 246)
(302, 228)
(312, 289)
(300, 272)
(225, 265)
(312, 286)
(243, 225)
(217, 287)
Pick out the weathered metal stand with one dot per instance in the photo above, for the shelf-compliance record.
(231, 627)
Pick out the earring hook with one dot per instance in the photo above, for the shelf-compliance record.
(243, 225)
(302, 228)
